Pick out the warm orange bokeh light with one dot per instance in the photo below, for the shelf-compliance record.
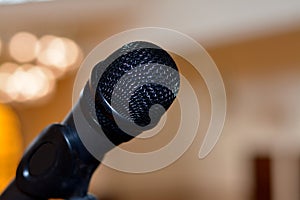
(23, 47)
(11, 146)
(38, 64)
(72, 52)
(29, 82)
(6, 69)
(60, 54)
(25, 82)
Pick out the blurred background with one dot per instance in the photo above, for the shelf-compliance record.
(255, 44)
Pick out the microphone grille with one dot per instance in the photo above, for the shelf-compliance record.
(139, 75)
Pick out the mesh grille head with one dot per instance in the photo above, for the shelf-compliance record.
(139, 75)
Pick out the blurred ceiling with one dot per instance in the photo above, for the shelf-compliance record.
(210, 22)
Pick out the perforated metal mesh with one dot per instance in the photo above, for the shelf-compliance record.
(139, 75)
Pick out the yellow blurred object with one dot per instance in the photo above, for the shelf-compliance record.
(11, 146)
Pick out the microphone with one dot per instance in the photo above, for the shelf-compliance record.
(127, 93)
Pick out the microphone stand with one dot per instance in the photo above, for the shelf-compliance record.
(56, 165)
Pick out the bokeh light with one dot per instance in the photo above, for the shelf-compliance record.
(72, 52)
(10, 143)
(60, 54)
(40, 63)
(29, 82)
(45, 78)
(23, 47)
(54, 54)
(6, 69)
(25, 82)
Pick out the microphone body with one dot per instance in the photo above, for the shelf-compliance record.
(58, 164)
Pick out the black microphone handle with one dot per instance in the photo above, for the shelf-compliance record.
(13, 192)
(56, 165)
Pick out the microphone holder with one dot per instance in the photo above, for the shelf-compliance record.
(56, 165)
